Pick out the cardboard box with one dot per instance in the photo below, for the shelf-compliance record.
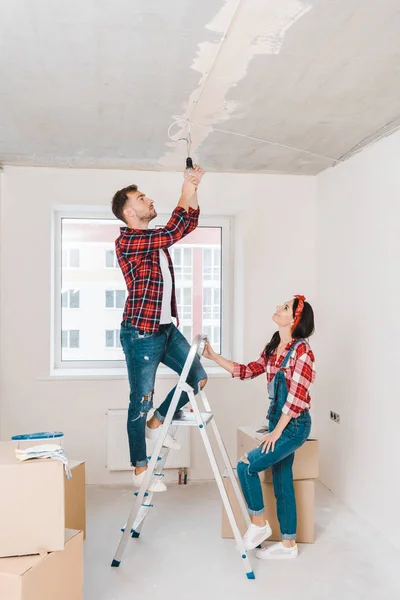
(305, 466)
(54, 576)
(32, 514)
(75, 498)
(304, 490)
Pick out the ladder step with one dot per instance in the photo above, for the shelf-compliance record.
(143, 510)
(189, 419)
(163, 452)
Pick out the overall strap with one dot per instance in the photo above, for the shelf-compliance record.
(288, 355)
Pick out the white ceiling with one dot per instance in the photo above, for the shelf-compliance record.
(282, 86)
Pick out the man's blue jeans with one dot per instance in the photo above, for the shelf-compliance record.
(143, 354)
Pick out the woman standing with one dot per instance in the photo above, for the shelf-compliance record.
(288, 362)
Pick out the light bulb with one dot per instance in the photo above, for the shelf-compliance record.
(189, 167)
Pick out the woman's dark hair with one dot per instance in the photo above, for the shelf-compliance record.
(304, 329)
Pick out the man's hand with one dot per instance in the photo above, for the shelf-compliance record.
(189, 188)
(198, 173)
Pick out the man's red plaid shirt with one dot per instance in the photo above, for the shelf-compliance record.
(137, 252)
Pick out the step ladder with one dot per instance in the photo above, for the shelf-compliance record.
(142, 502)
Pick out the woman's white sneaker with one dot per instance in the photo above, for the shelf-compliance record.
(155, 484)
(255, 535)
(169, 442)
(277, 551)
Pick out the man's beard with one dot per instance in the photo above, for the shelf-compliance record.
(149, 217)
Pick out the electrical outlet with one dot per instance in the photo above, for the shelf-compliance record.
(334, 417)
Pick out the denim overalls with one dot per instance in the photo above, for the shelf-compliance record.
(281, 459)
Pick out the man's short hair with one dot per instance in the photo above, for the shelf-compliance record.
(120, 199)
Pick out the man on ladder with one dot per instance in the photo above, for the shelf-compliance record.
(148, 335)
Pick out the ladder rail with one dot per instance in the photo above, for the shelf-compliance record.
(227, 462)
(136, 531)
(222, 490)
(149, 474)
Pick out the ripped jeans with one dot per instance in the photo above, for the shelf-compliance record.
(143, 354)
(281, 461)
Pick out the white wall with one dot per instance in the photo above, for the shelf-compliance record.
(274, 258)
(1, 206)
(358, 250)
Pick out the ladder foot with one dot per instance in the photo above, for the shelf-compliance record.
(250, 575)
(115, 563)
(135, 534)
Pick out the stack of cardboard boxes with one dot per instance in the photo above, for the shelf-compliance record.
(42, 527)
(305, 471)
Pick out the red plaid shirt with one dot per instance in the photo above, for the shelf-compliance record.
(299, 374)
(138, 256)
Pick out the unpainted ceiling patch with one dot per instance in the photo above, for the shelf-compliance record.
(246, 28)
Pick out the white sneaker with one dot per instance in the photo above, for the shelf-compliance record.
(255, 535)
(277, 551)
(155, 484)
(169, 442)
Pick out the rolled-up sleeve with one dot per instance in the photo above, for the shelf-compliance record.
(193, 220)
(252, 370)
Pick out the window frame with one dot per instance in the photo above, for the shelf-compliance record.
(68, 296)
(68, 332)
(115, 265)
(68, 261)
(114, 291)
(99, 368)
(116, 337)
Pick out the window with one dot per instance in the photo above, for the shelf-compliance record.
(70, 299)
(213, 333)
(88, 338)
(71, 258)
(184, 302)
(212, 315)
(211, 303)
(115, 298)
(212, 296)
(112, 338)
(187, 331)
(70, 338)
(211, 264)
(182, 259)
(111, 260)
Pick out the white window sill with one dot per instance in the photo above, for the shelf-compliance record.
(109, 374)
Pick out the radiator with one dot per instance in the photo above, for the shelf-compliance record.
(118, 449)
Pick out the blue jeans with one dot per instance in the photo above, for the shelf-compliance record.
(143, 354)
(281, 461)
